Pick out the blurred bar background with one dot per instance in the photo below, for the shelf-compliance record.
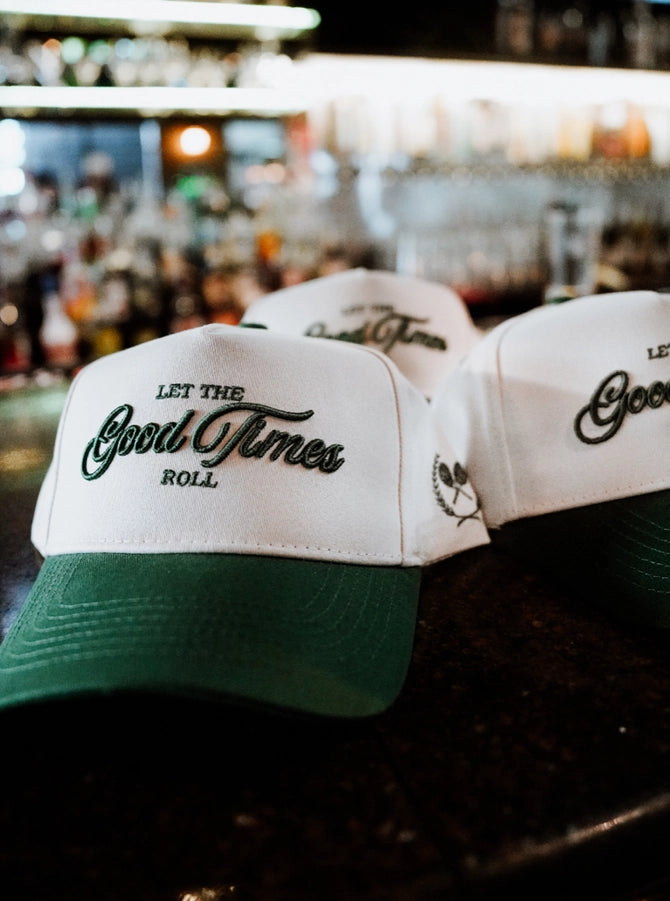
(165, 165)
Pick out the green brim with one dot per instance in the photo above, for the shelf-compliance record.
(308, 636)
(615, 555)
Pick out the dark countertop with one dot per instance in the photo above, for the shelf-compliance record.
(529, 750)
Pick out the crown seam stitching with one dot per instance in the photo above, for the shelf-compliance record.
(503, 429)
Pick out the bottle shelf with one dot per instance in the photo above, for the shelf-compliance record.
(203, 18)
(144, 102)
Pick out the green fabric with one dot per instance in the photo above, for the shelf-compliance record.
(311, 636)
(615, 554)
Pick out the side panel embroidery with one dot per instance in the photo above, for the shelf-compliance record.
(455, 481)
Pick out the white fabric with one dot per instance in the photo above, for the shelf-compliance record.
(424, 327)
(371, 499)
(512, 408)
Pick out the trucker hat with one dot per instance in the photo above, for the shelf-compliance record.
(424, 327)
(237, 514)
(561, 417)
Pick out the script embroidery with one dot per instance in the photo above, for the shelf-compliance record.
(612, 400)
(390, 329)
(119, 436)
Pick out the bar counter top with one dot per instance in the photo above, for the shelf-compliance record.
(529, 754)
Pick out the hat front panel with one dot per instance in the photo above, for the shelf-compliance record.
(585, 397)
(424, 327)
(241, 442)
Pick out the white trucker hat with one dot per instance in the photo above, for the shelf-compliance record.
(423, 326)
(239, 514)
(561, 417)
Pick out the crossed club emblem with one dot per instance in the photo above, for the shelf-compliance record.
(453, 479)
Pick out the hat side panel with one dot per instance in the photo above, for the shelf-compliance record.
(468, 408)
(441, 509)
(40, 526)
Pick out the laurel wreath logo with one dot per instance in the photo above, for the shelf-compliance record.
(454, 479)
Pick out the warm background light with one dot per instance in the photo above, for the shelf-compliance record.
(194, 140)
